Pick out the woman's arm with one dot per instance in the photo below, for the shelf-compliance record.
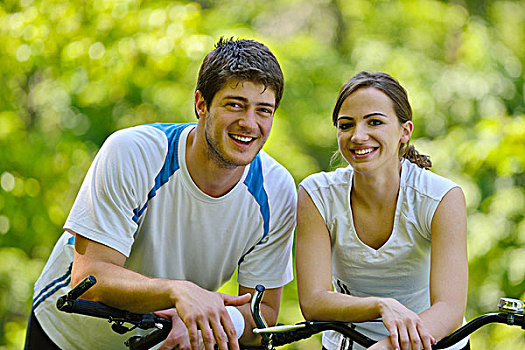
(448, 273)
(449, 268)
(314, 272)
(319, 302)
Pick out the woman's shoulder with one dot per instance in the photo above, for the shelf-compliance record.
(337, 177)
(426, 182)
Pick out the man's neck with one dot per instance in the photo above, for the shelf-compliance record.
(209, 177)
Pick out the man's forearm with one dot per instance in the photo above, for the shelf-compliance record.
(125, 289)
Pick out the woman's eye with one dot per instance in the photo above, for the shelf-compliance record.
(375, 122)
(345, 126)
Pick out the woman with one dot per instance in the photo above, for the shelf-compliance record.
(389, 235)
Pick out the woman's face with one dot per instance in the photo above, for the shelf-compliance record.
(369, 134)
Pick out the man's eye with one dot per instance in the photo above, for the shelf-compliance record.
(266, 111)
(234, 104)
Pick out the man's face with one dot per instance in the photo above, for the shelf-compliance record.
(238, 122)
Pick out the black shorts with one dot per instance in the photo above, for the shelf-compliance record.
(36, 338)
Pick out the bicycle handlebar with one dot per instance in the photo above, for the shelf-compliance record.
(511, 313)
(71, 304)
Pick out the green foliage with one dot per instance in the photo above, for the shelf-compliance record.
(75, 71)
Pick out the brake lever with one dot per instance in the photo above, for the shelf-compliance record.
(258, 318)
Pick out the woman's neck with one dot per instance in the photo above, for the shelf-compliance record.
(376, 190)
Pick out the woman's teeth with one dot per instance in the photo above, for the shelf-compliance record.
(363, 151)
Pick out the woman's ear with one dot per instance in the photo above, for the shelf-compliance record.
(406, 133)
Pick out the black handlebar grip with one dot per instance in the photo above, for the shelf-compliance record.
(148, 341)
(94, 309)
(283, 338)
(82, 287)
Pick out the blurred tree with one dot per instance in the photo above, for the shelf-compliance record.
(73, 72)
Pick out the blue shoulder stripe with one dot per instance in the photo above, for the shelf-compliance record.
(171, 163)
(255, 183)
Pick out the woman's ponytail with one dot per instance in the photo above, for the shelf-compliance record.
(421, 160)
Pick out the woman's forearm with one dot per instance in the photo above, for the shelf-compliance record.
(441, 319)
(333, 306)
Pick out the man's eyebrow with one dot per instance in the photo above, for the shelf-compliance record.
(244, 99)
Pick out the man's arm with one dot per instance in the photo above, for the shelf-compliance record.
(269, 308)
(122, 288)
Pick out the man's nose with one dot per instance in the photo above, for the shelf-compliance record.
(248, 119)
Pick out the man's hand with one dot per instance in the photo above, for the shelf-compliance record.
(203, 310)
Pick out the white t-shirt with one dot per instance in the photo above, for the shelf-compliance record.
(400, 268)
(139, 199)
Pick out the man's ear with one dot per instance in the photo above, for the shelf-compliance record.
(408, 127)
(200, 105)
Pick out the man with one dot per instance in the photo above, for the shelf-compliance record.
(168, 211)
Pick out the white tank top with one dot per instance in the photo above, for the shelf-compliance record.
(399, 269)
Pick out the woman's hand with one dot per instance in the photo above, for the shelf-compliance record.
(382, 345)
(406, 328)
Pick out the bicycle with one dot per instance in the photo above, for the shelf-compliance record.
(511, 312)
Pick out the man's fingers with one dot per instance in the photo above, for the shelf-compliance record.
(229, 328)
(207, 335)
(193, 334)
(167, 313)
(236, 300)
(392, 329)
(221, 337)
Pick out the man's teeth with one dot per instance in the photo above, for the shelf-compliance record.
(363, 151)
(242, 138)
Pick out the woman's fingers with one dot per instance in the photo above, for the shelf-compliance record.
(426, 338)
(414, 335)
(404, 338)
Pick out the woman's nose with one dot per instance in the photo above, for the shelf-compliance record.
(360, 134)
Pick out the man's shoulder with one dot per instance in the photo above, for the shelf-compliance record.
(145, 131)
(145, 137)
(273, 171)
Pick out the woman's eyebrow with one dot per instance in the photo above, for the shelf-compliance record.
(374, 114)
(364, 117)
